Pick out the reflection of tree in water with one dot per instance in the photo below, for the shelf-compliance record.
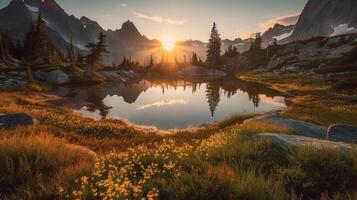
(96, 103)
(213, 96)
(254, 97)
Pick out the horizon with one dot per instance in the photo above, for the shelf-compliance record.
(162, 20)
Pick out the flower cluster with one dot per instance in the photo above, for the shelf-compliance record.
(130, 174)
(213, 143)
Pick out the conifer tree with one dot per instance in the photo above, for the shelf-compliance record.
(70, 52)
(214, 47)
(194, 60)
(151, 61)
(96, 52)
(258, 41)
(231, 51)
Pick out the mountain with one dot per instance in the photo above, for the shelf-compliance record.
(62, 28)
(278, 32)
(324, 17)
(17, 16)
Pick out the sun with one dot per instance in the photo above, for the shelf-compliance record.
(168, 44)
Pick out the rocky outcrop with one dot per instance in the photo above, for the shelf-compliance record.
(121, 75)
(14, 120)
(309, 55)
(288, 142)
(342, 132)
(320, 16)
(196, 72)
(12, 79)
(236, 63)
(298, 127)
(53, 77)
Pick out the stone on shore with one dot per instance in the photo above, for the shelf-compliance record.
(301, 128)
(342, 132)
(9, 121)
(287, 142)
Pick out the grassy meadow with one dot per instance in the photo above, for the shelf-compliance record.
(68, 156)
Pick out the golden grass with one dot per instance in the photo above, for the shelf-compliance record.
(311, 98)
(33, 166)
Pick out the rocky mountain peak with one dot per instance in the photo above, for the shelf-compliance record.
(129, 27)
(320, 16)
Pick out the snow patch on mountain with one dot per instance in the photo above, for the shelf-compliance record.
(343, 29)
(283, 36)
(32, 8)
(238, 44)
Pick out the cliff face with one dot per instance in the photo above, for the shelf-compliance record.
(319, 18)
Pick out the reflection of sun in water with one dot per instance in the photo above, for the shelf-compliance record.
(168, 44)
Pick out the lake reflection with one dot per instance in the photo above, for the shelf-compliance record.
(170, 104)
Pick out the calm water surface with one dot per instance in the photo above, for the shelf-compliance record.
(171, 104)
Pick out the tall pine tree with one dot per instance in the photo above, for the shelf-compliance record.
(214, 47)
(96, 52)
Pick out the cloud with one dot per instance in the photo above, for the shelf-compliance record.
(162, 103)
(284, 20)
(123, 5)
(159, 19)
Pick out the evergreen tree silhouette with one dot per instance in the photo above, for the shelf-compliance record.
(214, 47)
(213, 97)
(96, 52)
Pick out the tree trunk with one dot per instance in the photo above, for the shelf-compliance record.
(3, 51)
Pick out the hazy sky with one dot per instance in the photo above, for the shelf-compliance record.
(186, 19)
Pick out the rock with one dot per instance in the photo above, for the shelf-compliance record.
(13, 120)
(277, 61)
(236, 63)
(53, 77)
(342, 132)
(200, 72)
(287, 142)
(298, 127)
(121, 75)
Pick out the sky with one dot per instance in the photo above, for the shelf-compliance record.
(187, 19)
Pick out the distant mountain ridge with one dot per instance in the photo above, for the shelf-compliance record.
(62, 27)
(319, 18)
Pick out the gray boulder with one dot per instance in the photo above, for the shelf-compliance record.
(342, 132)
(299, 127)
(53, 77)
(277, 61)
(14, 120)
(287, 142)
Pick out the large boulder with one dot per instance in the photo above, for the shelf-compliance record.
(54, 77)
(287, 142)
(299, 127)
(14, 120)
(342, 132)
